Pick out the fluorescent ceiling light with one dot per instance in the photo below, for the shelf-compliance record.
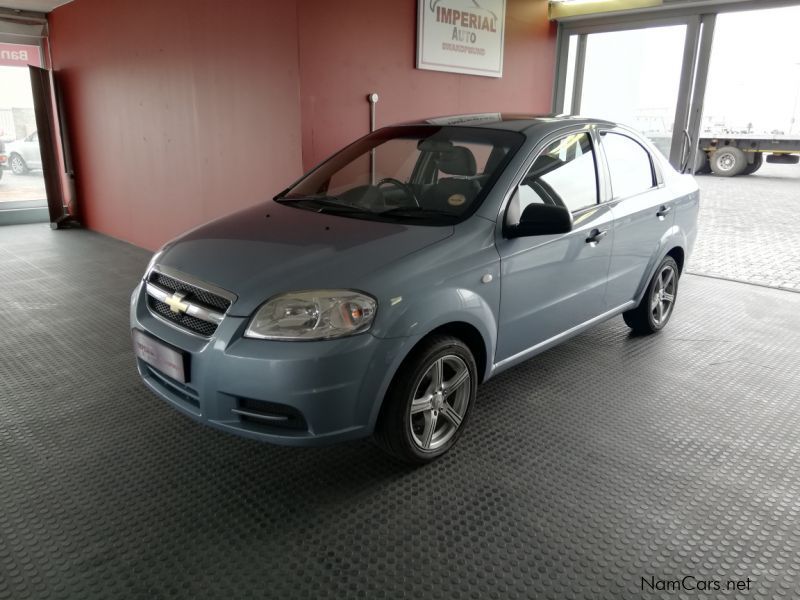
(560, 9)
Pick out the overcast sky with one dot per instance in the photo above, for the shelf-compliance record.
(755, 70)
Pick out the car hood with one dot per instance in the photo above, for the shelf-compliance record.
(272, 248)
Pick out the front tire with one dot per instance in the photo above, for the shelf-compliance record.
(656, 307)
(18, 166)
(429, 401)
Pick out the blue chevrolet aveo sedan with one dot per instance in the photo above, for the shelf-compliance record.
(376, 293)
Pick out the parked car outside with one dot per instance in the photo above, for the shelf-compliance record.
(376, 293)
(24, 155)
(3, 157)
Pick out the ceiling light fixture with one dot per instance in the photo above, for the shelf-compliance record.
(560, 9)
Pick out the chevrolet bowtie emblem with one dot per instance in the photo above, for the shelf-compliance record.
(176, 303)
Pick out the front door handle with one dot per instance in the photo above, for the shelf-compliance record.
(663, 211)
(596, 235)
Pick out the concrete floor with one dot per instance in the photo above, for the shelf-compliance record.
(595, 470)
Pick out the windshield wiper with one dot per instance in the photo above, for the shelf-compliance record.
(417, 212)
(326, 204)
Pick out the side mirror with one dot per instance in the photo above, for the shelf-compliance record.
(541, 219)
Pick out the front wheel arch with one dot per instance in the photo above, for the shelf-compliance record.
(470, 336)
(469, 333)
(396, 426)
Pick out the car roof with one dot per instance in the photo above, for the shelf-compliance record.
(510, 121)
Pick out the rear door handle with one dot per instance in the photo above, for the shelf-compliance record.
(596, 235)
(663, 211)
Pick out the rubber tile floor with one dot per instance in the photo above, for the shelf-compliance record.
(609, 467)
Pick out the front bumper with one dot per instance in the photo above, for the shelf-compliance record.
(306, 393)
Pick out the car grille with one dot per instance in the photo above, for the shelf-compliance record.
(204, 328)
(194, 294)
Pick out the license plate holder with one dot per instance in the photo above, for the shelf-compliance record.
(171, 362)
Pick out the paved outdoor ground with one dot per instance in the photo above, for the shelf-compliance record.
(14, 188)
(748, 228)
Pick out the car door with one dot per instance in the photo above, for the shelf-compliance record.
(642, 210)
(551, 284)
(30, 151)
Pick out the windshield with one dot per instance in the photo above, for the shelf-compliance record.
(430, 175)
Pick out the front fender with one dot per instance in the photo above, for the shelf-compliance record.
(451, 305)
(416, 320)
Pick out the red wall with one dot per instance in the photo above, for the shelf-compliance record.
(353, 47)
(178, 111)
(184, 110)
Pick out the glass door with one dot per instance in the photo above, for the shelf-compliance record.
(633, 77)
(638, 74)
(22, 183)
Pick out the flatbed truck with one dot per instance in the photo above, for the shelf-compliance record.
(729, 155)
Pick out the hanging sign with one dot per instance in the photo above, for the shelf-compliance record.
(19, 55)
(461, 36)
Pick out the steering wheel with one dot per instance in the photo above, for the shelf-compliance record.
(407, 189)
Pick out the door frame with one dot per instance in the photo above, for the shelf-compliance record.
(691, 88)
(700, 19)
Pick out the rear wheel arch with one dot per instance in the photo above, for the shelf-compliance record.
(678, 254)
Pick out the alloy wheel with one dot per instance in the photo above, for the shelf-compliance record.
(440, 402)
(663, 296)
(17, 165)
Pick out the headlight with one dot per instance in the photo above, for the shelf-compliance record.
(313, 315)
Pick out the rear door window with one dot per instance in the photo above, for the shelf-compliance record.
(629, 165)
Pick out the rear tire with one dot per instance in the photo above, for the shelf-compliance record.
(758, 160)
(728, 161)
(429, 401)
(658, 302)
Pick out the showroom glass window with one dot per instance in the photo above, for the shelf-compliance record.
(564, 174)
(629, 165)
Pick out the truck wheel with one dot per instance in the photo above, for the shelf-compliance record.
(728, 161)
(701, 166)
(758, 160)
(429, 401)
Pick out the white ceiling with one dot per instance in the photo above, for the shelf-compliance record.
(44, 6)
